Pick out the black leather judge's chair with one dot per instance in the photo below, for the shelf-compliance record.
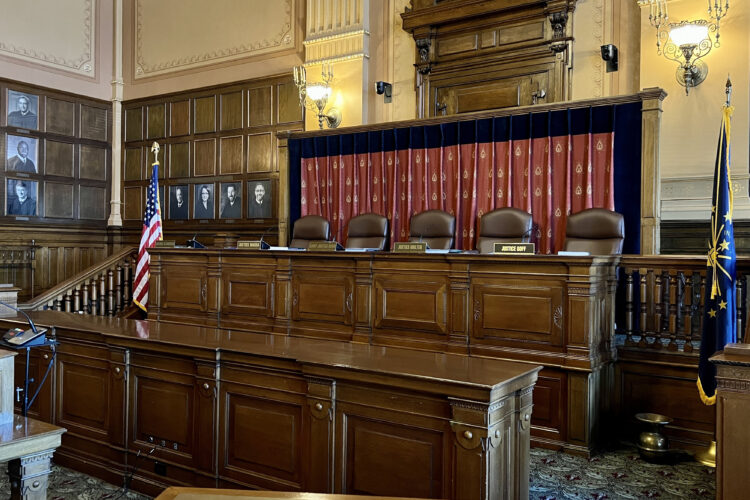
(597, 231)
(367, 231)
(309, 228)
(433, 227)
(504, 225)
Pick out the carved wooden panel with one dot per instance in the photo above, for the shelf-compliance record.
(179, 118)
(92, 202)
(323, 297)
(83, 401)
(59, 158)
(179, 159)
(249, 292)
(157, 121)
(205, 157)
(60, 116)
(93, 164)
(260, 106)
(58, 200)
(93, 123)
(205, 114)
(133, 164)
(526, 311)
(231, 110)
(259, 151)
(289, 108)
(411, 302)
(132, 200)
(549, 418)
(183, 290)
(134, 124)
(230, 155)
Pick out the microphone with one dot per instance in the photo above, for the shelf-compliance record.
(263, 244)
(28, 318)
(193, 243)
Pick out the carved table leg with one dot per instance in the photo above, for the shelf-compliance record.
(29, 476)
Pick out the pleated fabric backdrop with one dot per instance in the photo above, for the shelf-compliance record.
(550, 164)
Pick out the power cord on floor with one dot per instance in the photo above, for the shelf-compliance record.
(127, 478)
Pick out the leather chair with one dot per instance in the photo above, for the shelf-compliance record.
(433, 227)
(504, 225)
(367, 231)
(309, 228)
(597, 231)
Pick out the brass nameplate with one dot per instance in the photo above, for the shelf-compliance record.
(323, 246)
(410, 247)
(514, 248)
(250, 244)
(164, 244)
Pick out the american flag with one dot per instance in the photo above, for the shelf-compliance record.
(150, 234)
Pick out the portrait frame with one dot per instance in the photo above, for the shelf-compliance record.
(225, 210)
(254, 211)
(13, 161)
(16, 208)
(16, 116)
(179, 212)
(199, 212)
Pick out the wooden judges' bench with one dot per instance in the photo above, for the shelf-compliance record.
(181, 405)
(540, 309)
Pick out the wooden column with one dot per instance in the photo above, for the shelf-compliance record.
(650, 171)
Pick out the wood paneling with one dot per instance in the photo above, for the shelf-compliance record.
(134, 124)
(205, 157)
(259, 153)
(289, 110)
(59, 158)
(180, 118)
(93, 202)
(132, 200)
(231, 111)
(133, 164)
(179, 159)
(58, 200)
(60, 116)
(205, 114)
(94, 123)
(93, 163)
(230, 155)
(157, 121)
(260, 107)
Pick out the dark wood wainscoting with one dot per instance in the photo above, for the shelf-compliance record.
(691, 237)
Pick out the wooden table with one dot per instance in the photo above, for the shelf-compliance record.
(27, 445)
(179, 493)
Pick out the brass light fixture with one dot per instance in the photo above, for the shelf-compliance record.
(314, 96)
(687, 42)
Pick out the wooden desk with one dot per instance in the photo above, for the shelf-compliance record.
(244, 409)
(27, 445)
(540, 309)
(732, 431)
(177, 493)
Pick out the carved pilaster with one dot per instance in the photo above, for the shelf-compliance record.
(651, 173)
(321, 402)
(29, 476)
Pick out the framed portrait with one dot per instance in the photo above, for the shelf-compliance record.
(203, 201)
(230, 204)
(179, 202)
(259, 199)
(23, 110)
(21, 197)
(21, 154)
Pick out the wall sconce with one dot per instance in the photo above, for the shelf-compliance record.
(686, 42)
(314, 96)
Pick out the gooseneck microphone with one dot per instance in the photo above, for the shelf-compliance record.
(28, 318)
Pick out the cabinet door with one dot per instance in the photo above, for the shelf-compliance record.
(319, 296)
(183, 287)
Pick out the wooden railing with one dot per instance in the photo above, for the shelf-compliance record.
(17, 266)
(661, 299)
(104, 289)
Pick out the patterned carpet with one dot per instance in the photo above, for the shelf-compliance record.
(616, 475)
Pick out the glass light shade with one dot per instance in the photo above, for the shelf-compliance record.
(318, 91)
(688, 34)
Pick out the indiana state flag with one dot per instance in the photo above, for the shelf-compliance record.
(720, 316)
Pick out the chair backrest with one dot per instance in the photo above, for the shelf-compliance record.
(434, 227)
(367, 231)
(597, 231)
(504, 225)
(309, 228)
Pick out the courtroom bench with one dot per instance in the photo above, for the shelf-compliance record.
(229, 408)
(557, 311)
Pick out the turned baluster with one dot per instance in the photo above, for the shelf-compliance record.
(701, 306)
(740, 308)
(58, 304)
(674, 310)
(128, 269)
(102, 294)
(629, 307)
(94, 296)
(658, 310)
(120, 288)
(643, 342)
(76, 300)
(687, 311)
(67, 303)
(111, 292)
(85, 298)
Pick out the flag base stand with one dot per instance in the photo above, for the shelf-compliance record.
(708, 456)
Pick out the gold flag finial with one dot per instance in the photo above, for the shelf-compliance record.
(155, 149)
(728, 91)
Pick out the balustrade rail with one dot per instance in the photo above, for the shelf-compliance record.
(104, 289)
(17, 266)
(661, 301)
